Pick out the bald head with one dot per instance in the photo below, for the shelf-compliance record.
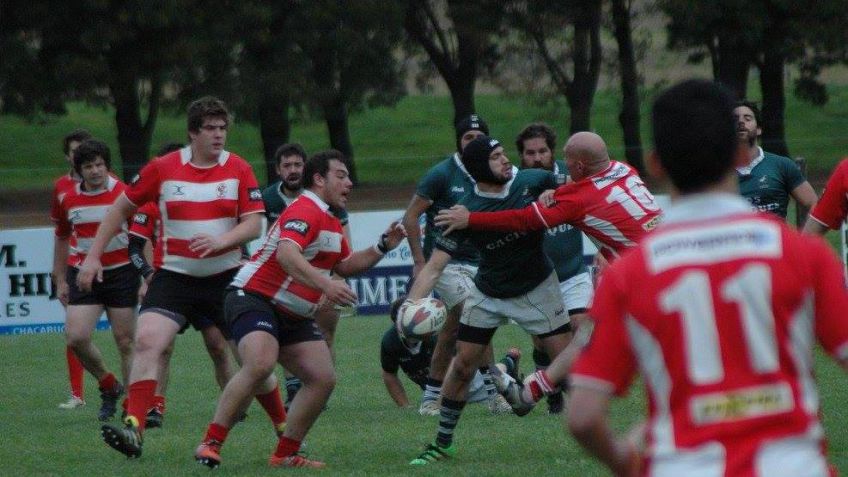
(585, 154)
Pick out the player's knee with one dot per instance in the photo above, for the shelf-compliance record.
(124, 344)
(77, 340)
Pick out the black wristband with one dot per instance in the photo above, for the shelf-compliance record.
(382, 246)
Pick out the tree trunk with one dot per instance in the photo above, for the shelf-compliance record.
(629, 115)
(275, 129)
(462, 94)
(335, 114)
(771, 84)
(734, 62)
(133, 139)
(587, 65)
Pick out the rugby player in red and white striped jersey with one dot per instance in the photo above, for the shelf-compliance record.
(719, 309)
(60, 256)
(210, 205)
(79, 211)
(272, 301)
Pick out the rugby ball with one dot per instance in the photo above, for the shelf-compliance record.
(421, 318)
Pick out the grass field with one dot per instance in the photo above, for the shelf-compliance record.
(395, 145)
(362, 432)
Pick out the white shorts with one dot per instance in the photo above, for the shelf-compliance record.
(455, 282)
(538, 311)
(577, 291)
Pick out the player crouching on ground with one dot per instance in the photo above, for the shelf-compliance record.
(413, 356)
(271, 302)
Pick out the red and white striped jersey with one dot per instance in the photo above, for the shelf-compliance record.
(719, 310)
(194, 200)
(80, 213)
(612, 207)
(145, 222)
(308, 223)
(832, 209)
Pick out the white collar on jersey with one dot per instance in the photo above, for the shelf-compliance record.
(111, 182)
(314, 198)
(705, 206)
(746, 170)
(185, 157)
(461, 167)
(503, 193)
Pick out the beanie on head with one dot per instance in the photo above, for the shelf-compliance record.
(475, 158)
(472, 122)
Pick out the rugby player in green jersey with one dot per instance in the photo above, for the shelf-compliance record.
(765, 179)
(515, 280)
(563, 243)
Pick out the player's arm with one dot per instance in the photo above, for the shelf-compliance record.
(416, 207)
(804, 195)
(138, 255)
(60, 267)
(364, 259)
(588, 421)
(831, 301)
(112, 223)
(814, 227)
(427, 277)
(395, 388)
(248, 228)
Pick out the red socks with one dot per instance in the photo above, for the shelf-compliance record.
(272, 402)
(216, 432)
(107, 382)
(75, 372)
(286, 447)
(140, 397)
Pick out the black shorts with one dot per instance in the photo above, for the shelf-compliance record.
(247, 312)
(119, 288)
(195, 301)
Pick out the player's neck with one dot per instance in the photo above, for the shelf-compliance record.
(290, 193)
(728, 185)
(490, 188)
(753, 150)
(202, 160)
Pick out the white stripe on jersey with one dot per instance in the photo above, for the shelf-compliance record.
(713, 244)
(798, 455)
(801, 345)
(292, 302)
(202, 267)
(115, 243)
(199, 191)
(608, 229)
(652, 365)
(186, 229)
(326, 241)
(87, 214)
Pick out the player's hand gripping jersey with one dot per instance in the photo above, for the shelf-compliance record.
(613, 207)
(743, 298)
(310, 224)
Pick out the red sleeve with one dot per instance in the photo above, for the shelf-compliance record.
(832, 208)
(144, 221)
(831, 298)
(250, 195)
(145, 186)
(606, 362)
(60, 218)
(300, 225)
(346, 252)
(533, 217)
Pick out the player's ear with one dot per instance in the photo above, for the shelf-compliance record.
(654, 167)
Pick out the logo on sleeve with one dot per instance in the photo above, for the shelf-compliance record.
(254, 194)
(140, 219)
(297, 225)
(135, 179)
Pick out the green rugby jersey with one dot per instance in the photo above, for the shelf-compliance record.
(444, 184)
(564, 243)
(276, 202)
(511, 263)
(767, 185)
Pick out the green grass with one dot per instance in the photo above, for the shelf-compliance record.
(395, 145)
(362, 432)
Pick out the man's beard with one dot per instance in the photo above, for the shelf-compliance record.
(292, 185)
